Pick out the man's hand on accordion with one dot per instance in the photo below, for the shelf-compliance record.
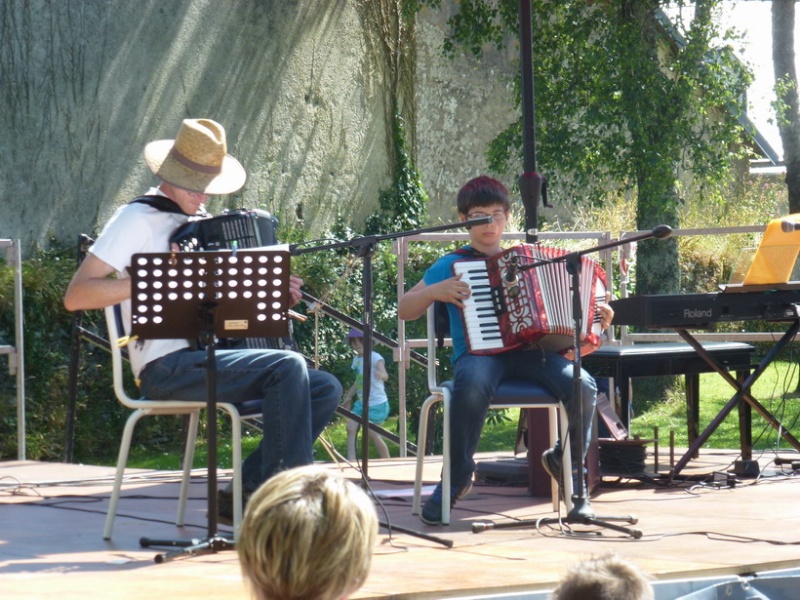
(606, 312)
(295, 285)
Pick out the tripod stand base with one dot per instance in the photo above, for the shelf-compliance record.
(581, 514)
(423, 536)
(192, 547)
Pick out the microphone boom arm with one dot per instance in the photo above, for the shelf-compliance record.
(658, 232)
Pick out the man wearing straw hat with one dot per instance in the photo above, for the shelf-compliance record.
(297, 403)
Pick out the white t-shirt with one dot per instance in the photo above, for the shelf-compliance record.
(133, 229)
(377, 391)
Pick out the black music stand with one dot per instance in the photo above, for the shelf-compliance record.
(580, 513)
(205, 295)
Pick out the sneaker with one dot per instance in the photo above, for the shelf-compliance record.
(225, 506)
(432, 511)
(551, 461)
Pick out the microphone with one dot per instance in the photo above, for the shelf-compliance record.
(479, 221)
(662, 232)
(789, 226)
(511, 273)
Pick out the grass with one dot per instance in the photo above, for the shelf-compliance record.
(774, 390)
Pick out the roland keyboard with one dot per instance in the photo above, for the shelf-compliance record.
(700, 311)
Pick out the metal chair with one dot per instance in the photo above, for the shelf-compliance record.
(510, 394)
(144, 407)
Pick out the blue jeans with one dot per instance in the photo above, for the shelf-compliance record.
(476, 379)
(296, 402)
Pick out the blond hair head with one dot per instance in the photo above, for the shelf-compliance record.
(307, 534)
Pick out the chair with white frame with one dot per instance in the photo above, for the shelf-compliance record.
(510, 394)
(143, 407)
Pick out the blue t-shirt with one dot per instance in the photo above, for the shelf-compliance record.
(439, 271)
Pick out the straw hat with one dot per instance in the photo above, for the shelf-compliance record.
(197, 159)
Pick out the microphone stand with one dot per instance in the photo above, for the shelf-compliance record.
(581, 512)
(365, 248)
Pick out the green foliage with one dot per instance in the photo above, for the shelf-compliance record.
(404, 205)
(618, 91)
(624, 100)
(784, 88)
(774, 389)
(48, 329)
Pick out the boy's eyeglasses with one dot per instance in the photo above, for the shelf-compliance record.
(498, 216)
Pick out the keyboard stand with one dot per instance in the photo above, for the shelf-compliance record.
(742, 393)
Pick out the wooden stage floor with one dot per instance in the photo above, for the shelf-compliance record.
(52, 516)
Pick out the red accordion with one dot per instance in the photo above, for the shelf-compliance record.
(535, 308)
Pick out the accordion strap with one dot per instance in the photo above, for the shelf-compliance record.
(161, 203)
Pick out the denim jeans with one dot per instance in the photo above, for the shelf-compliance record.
(476, 379)
(296, 403)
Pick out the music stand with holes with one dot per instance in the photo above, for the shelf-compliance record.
(206, 295)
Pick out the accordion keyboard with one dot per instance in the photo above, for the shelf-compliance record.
(480, 316)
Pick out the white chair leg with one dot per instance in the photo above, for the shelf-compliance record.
(446, 491)
(422, 436)
(236, 452)
(122, 461)
(566, 460)
(553, 414)
(188, 462)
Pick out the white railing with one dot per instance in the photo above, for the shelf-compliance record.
(16, 353)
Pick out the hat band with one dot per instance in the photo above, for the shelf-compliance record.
(189, 163)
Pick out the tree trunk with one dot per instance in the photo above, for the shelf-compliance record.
(787, 95)
(657, 269)
(657, 265)
(787, 99)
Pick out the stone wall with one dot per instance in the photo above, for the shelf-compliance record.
(87, 83)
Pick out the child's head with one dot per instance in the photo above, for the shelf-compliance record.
(609, 577)
(482, 192)
(307, 533)
(356, 340)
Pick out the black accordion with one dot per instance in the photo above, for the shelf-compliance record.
(232, 230)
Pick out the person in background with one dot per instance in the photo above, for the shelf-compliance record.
(307, 534)
(378, 400)
(609, 577)
(296, 402)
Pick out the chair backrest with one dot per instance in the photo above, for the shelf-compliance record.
(115, 332)
(432, 345)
